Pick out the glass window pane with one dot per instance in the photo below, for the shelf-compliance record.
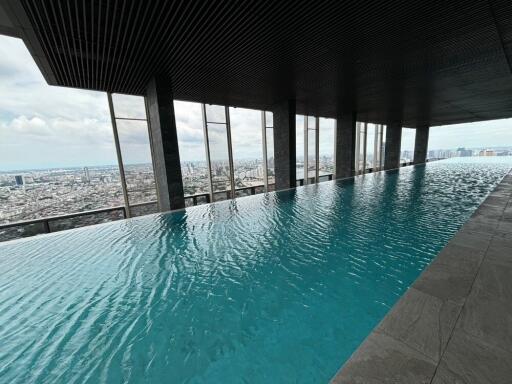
(246, 138)
(215, 113)
(269, 119)
(407, 145)
(326, 144)
(361, 143)
(383, 146)
(219, 157)
(128, 106)
(311, 122)
(299, 142)
(311, 153)
(138, 166)
(194, 168)
(270, 156)
(371, 129)
(50, 138)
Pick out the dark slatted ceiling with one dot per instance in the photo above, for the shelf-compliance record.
(422, 62)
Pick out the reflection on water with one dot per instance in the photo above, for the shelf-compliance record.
(269, 288)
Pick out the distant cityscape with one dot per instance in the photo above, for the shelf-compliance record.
(31, 194)
(36, 193)
(469, 152)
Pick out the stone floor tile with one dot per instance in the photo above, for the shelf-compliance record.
(421, 321)
(468, 360)
(446, 282)
(488, 318)
(464, 257)
(505, 226)
(384, 360)
(471, 239)
(500, 251)
(479, 227)
(494, 279)
(497, 201)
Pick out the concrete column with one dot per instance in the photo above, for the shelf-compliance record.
(164, 144)
(393, 143)
(421, 145)
(284, 145)
(345, 144)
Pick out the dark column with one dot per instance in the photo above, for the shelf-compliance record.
(393, 142)
(421, 145)
(284, 145)
(345, 144)
(164, 144)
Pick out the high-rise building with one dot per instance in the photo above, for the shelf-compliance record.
(86, 178)
(19, 180)
(463, 152)
(487, 152)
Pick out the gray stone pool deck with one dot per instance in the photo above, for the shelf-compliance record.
(454, 324)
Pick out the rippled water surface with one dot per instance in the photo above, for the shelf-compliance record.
(270, 288)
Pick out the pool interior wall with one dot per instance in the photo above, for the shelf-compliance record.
(269, 288)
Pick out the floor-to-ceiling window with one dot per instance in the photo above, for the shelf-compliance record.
(218, 134)
(369, 147)
(268, 149)
(315, 148)
(129, 119)
(311, 134)
(360, 146)
(379, 147)
(222, 151)
(299, 147)
(407, 145)
(248, 162)
(371, 140)
(57, 153)
(375, 134)
(383, 146)
(326, 147)
(194, 167)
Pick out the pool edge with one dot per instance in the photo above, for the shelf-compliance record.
(446, 326)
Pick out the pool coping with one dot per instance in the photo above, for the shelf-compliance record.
(454, 324)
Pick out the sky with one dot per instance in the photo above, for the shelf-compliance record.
(43, 126)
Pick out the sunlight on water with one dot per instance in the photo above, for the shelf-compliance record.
(280, 287)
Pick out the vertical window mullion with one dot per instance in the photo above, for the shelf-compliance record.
(207, 150)
(335, 139)
(119, 155)
(356, 155)
(365, 136)
(306, 165)
(264, 148)
(230, 152)
(317, 149)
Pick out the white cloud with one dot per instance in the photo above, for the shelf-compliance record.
(493, 133)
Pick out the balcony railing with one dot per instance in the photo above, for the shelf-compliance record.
(57, 223)
(311, 180)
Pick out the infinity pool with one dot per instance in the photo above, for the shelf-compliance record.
(270, 288)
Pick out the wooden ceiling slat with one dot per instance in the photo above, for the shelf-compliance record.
(428, 61)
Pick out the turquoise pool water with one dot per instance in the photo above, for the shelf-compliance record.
(270, 288)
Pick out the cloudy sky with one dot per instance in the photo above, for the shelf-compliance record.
(43, 126)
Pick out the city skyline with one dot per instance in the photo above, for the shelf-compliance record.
(184, 162)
